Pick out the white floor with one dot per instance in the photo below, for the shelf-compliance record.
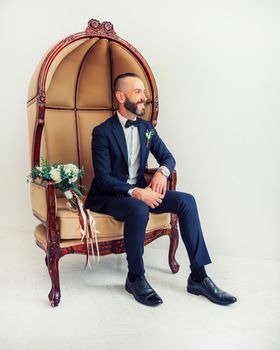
(96, 312)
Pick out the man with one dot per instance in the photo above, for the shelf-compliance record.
(120, 148)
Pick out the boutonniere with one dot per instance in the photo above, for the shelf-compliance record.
(149, 134)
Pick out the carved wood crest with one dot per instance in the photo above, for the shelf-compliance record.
(97, 28)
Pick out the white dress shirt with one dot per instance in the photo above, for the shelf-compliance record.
(133, 151)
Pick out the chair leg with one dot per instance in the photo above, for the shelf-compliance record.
(52, 258)
(174, 241)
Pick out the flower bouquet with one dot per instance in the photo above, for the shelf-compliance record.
(64, 177)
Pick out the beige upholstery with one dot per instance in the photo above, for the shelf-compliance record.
(74, 53)
(68, 221)
(60, 136)
(63, 74)
(40, 233)
(94, 85)
(38, 197)
(33, 85)
(109, 227)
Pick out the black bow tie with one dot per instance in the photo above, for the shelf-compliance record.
(132, 122)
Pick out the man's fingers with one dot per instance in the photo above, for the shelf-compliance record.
(157, 186)
(149, 203)
(158, 202)
(164, 190)
(154, 199)
(159, 189)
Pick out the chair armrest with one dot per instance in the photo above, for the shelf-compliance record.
(44, 206)
(39, 199)
(171, 181)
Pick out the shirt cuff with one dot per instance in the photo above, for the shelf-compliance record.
(165, 169)
(131, 190)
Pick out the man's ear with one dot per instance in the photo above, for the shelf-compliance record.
(120, 96)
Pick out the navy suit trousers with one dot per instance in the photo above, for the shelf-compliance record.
(135, 215)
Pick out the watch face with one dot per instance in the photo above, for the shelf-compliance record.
(164, 172)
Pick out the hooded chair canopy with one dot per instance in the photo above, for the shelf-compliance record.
(70, 93)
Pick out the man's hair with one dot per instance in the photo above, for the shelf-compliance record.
(122, 76)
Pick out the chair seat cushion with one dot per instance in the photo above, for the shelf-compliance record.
(109, 228)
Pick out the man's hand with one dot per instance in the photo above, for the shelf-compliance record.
(147, 195)
(158, 183)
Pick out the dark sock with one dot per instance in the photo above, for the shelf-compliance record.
(199, 274)
(132, 277)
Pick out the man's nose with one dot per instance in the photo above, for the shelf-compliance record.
(144, 97)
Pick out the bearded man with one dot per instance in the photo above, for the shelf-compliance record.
(120, 148)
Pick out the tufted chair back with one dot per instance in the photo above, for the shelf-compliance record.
(71, 92)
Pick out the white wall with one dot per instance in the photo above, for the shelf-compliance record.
(217, 68)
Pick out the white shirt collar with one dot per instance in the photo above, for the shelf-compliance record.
(122, 119)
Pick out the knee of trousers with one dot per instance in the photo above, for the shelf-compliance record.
(186, 201)
(138, 210)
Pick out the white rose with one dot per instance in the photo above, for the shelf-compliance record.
(74, 179)
(74, 169)
(55, 175)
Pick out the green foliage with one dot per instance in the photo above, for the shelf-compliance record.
(64, 176)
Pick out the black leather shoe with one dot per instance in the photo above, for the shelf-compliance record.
(208, 288)
(142, 291)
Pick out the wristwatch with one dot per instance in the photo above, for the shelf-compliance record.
(164, 171)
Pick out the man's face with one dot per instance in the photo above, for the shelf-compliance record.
(135, 96)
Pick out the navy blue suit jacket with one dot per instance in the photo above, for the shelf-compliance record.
(110, 160)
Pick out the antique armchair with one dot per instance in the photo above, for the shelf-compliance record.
(69, 94)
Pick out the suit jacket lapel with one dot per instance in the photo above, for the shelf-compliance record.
(119, 135)
(142, 131)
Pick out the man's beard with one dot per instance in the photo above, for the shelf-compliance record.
(133, 107)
